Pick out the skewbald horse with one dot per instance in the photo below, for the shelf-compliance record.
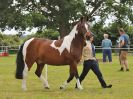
(45, 51)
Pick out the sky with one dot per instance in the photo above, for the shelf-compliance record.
(13, 32)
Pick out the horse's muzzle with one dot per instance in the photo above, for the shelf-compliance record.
(88, 33)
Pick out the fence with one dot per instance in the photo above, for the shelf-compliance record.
(115, 49)
(14, 48)
(9, 49)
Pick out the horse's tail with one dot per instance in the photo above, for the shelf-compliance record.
(19, 63)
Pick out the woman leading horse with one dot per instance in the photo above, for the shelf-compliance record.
(66, 51)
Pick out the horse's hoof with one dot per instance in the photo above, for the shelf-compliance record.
(47, 88)
(61, 87)
(80, 88)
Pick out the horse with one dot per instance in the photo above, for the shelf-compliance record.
(65, 51)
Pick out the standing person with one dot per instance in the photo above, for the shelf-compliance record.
(124, 41)
(90, 62)
(106, 46)
(117, 46)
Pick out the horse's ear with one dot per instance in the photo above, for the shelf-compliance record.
(84, 19)
(81, 19)
(87, 18)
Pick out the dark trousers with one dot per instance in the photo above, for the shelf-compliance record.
(93, 65)
(107, 52)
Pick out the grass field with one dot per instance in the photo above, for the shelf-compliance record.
(10, 88)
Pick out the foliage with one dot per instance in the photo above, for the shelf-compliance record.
(130, 32)
(47, 33)
(60, 14)
(50, 13)
(120, 12)
(98, 29)
(8, 40)
(113, 31)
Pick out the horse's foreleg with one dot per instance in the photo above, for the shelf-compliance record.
(73, 72)
(77, 76)
(68, 80)
(38, 72)
(78, 82)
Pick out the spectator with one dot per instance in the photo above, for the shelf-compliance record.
(106, 46)
(124, 41)
(118, 50)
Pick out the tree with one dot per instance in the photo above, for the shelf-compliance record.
(122, 10)
(54, 14)
(47, 33)
(60, 14)
(130, 32)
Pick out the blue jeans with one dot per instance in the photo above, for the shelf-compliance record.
(107, 52)
(93, 65)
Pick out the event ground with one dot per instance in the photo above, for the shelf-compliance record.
(10, 88)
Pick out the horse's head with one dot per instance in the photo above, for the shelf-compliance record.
(83, 27)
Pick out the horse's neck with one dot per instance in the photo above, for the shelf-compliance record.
(73, 40)
(78, 41)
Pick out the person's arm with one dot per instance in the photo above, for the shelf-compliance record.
(110, 43)
(102, 43)
(122, 41)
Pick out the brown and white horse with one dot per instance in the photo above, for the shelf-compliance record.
(66, 51)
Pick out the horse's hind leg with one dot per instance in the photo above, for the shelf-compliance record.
(27, 67)
(25, 74)
(75, 71)
(38, 72)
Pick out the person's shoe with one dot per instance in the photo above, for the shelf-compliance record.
(107, 86)
(127, 69)
(122, 69)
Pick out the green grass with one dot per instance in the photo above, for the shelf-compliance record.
(10, 88)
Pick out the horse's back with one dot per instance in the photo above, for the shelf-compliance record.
(40, 50)
(35, 45)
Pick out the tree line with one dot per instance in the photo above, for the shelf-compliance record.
(56, 17)
(97, 29)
